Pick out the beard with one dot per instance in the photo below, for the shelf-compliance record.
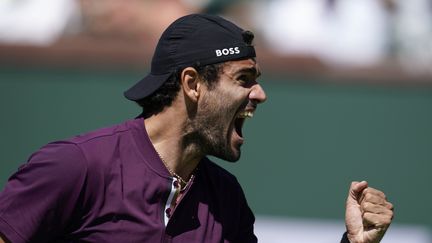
(211, 129)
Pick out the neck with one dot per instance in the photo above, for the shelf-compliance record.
(170, 142)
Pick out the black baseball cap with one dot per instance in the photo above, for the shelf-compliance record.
(193, 39)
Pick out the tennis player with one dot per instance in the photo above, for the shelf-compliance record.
(148, 179)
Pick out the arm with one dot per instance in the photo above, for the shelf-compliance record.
(368, 214)
(39, 199)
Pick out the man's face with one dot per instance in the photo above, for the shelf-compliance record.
(224, 108)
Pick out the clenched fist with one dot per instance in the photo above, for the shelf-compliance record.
(368, 214)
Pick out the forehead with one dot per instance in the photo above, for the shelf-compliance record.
(239, 66)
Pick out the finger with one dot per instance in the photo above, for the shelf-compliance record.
(355, 191)
(371, 190)
(377, 220)
(372, 194)
(389, 205)
(358, 187)
(368, 207)
(375, 196)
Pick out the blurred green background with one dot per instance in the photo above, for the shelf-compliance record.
(303, 147)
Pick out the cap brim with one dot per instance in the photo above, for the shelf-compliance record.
(146, 86)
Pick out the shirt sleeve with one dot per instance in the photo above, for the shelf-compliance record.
(345, 238)
(40, 198)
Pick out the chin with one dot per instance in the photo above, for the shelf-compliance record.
(231, 156)
(226, 151)
(233, 160)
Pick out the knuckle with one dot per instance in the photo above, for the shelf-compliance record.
(390, 206)
(391, 214)
(366, 205)
(368, 196)
(386, 221)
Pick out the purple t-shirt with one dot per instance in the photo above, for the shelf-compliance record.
(111, 186)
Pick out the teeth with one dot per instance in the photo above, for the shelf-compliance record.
(245, 114)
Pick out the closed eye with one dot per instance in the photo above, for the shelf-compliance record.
(246, 80)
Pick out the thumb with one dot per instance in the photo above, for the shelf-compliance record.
(355, 190)
(353, 214)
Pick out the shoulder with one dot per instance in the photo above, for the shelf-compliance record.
(216, 172)
(58, 161)
(57, 153)
(102, 144)
(102, 134)
(71, 157)
(221, 179)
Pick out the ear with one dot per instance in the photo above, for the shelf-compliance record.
(190, 83)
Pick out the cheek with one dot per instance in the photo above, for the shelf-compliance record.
(224, 103)
(229, 107)
(233, 98)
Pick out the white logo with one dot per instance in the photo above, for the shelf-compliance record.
(227, 51)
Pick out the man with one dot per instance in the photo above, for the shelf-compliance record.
(148, 179)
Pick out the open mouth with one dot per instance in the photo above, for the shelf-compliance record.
(239, 121)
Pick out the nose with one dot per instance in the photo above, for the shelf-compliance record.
(257, 94)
